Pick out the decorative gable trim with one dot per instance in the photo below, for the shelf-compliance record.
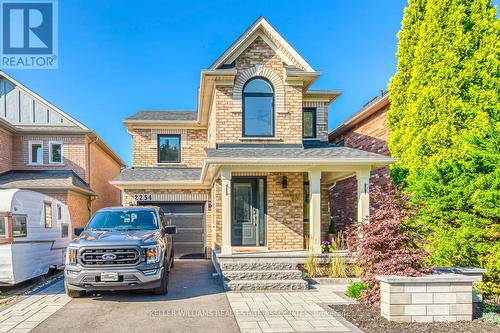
(259, 70)
(286, 50)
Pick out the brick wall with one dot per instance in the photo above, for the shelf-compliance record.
(228, 119)
(145, 149)
(5, 151)
(370, 135)
(103, 170)
(74, 153)
(79, 209)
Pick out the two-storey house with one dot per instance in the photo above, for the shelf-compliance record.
(251, 168)
(44, 149)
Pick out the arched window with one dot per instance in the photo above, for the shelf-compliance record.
(258, 108)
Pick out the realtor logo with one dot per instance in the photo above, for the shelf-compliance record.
(29, 34)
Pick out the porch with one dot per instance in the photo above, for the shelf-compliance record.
(271, 212)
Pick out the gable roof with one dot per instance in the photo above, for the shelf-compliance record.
(41, 100)
(260, 25)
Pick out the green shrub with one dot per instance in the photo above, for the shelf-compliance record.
(354, 289)
(444, 125)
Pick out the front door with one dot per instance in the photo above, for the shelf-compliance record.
(248, 211)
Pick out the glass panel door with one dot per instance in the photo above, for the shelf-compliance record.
(248, 212)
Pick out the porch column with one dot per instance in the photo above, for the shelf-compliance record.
(315, 211)
(363, 180)
(225, 176)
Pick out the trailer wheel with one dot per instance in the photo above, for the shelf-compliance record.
(71, 292)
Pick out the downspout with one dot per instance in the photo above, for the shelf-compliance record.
(89, 163)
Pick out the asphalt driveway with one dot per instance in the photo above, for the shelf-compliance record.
(195, 303)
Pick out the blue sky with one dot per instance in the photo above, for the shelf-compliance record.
(120, 56)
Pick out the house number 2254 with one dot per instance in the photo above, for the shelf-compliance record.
(142, 197)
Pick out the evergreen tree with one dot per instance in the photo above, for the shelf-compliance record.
(444, 124)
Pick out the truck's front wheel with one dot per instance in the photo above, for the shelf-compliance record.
(163, 288)
(71, 292)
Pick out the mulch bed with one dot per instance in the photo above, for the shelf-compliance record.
(368, 319)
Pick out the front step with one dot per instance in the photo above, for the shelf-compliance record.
(263, 275)
(256, 285)
(257, 266)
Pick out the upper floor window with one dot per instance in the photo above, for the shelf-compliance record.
(169, 148)
(258, 108)
(35, 152)
(309, 123)
(55, 152)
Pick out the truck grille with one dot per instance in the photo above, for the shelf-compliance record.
(96, 257)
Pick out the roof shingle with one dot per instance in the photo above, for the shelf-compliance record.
(43, 179)
(174, 174)
(164, 115)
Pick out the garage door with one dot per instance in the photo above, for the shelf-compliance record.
(188, 217)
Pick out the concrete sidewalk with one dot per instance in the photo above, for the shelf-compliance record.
(307, 311)
(32, 310)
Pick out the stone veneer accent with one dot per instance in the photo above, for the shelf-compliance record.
(439, 297)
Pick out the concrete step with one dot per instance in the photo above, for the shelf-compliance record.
(263, 275)
(256, 285)
(257, 266)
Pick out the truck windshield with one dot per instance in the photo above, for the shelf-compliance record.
(124, 220)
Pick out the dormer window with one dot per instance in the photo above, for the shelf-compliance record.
(258, 108)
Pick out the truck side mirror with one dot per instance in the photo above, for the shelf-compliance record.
(171, 229)
(78, 231)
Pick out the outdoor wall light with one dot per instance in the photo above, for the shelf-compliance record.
(284, 182)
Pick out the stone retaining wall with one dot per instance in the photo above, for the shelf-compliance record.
(440, 297)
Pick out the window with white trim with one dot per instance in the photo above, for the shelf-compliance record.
(35, 152)
(55, 152)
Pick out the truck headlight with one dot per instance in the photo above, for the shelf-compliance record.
(71, 255)
(153, 254)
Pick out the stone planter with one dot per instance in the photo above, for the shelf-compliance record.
(437, 297)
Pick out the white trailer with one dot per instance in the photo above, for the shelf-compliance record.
(35, 230)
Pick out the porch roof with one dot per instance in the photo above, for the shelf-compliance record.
(322, 154)
(44, 180)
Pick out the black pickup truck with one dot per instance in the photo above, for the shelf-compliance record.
(121, 248)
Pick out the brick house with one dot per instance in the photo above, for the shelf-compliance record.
(46, 150)
(250, 169)
(367, 130)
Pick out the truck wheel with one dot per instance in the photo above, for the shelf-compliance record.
(163, 288)
(71, 292)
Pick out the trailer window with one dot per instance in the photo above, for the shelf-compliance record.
(64, 230)
(59, 212)
(19, 227)
(3, 227)
(48, 214)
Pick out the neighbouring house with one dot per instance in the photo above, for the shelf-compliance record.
(44, 149)
(250, 169)
(366, 130)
